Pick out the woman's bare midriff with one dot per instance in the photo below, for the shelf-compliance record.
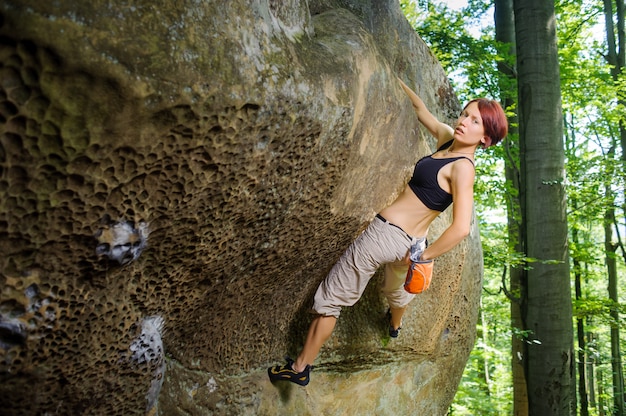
(410, 214)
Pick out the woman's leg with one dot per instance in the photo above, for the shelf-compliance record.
(396, 317)
(397, 297)
(320, 330)
(380, 243)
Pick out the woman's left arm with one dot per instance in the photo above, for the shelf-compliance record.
(462, 189)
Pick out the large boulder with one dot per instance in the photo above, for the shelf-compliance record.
(177, 177)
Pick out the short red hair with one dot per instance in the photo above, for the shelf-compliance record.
(495, 122)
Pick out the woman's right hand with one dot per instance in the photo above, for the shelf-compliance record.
(442, 132)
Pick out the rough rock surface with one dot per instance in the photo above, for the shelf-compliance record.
(175, 181)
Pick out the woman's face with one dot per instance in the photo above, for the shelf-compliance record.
(469, 127)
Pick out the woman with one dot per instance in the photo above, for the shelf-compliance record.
(445, 176)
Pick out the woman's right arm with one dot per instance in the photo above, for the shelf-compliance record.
(442, 132)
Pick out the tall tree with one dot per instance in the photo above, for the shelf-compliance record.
(570, 141)
(505, 33)
(611, 264)
(616, 56)
(547, 307)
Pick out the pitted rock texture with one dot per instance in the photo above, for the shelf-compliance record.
(242, 147)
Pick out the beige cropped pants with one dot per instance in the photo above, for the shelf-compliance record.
(380, 243)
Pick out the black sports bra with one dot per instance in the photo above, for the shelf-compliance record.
(424, 181)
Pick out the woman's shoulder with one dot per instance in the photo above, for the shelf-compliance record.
(462, 169)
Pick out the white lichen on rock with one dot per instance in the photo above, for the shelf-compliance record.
(122, 241)
(147, 348)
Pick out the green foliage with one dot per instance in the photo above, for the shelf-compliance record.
(486, 385)
(598, 308)
(474, 397)
(470, 59)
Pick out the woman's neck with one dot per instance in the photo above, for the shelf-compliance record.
(465, 152)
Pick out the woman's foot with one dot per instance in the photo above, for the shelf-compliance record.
(393, 332)
(286, 372)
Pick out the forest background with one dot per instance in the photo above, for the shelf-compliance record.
(590, 43)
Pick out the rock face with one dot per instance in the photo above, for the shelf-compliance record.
(176, 180)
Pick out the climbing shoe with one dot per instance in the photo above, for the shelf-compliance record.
(286, 372)
(393, 333)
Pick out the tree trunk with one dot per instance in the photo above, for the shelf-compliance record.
(548, 308)
(591, 371)
(580, 327)
(600, 394)
(616, 52)
(570, 141)
(616, 361)
(484, 365)
(505, 33)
